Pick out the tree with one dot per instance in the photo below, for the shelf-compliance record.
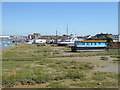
(65, 35)
(109, 39)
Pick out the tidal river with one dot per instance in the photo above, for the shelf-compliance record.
(6, 43)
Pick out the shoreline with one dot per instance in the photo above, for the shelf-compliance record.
(8, 43)
(11, 39)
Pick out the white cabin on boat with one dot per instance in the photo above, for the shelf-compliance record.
(36, 41)
(68, 40)
(29, 42)
(39, 41)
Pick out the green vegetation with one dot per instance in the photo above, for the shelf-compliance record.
(104, 58)
(115, 56)
(106, 75)
(85, 84)
(27, 74)
(32, 64)
(108, 39)
(58, 85)
(117, 60)
(98, 77)
(94, 84)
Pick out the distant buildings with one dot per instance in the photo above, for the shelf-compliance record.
(53, 38)
(30, 36)
(34, 36)
(12, 37)
(116, 38)
(102, 35)
(5, 37)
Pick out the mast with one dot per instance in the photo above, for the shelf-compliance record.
(67, 29)
(56, 35)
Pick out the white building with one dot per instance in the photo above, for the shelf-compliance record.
(5, 37)
(116, 38)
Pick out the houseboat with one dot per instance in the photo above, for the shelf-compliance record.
(90, 45)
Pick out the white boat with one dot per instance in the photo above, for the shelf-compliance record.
(29, 42)
(50, 41)
(39, 41)
(5, 45)
(8, 42)
(68, 41)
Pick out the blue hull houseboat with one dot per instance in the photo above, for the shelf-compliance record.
(90, 45)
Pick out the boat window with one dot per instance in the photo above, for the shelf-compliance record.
(87, 43)
(91, 43)
(95, 43)
(80, 43)
(67, 41)
(99, 43)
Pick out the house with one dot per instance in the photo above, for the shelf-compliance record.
(116, 38)
(34, 36)
(30, 36)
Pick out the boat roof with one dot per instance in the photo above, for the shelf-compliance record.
(94, 41)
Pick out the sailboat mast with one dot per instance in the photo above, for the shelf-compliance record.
(67, 29)
(56, 35)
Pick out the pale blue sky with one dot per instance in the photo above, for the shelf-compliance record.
(83, 18)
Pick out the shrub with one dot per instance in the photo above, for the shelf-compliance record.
(75, 75)
(104, 84)
(117, 60)
(104, 58)
(115, 56)
(58, 85)
(85, 84)
(98, 77)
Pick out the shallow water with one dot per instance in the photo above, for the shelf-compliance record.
(6, 43)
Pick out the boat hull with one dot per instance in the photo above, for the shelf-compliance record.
(65, 44)
(88, 48)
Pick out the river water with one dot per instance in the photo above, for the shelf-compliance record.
(7, 43)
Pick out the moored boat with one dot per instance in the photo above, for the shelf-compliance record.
(68, 40)
(90, 45)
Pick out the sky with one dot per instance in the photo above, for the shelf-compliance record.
(83, 18)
